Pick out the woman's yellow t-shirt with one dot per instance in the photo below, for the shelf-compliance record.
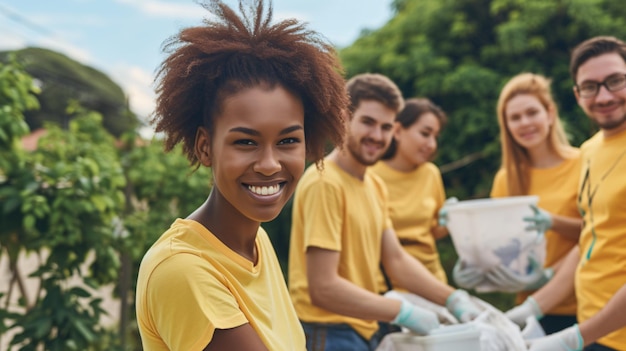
(557, 190)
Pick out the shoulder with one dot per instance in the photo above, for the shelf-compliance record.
(327, 177)
(591, 142)
(431, 168)
(500, 175)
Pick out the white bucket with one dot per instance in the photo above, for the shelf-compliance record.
(457, 337)
(490, 232)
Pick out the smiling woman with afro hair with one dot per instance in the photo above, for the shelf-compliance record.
(253, 100)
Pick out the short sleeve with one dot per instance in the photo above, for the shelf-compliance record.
(323, 209)
(499, 187)
(188, 300)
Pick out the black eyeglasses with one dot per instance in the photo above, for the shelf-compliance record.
(613, 82)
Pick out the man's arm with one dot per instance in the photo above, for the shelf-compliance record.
(607, 320)
(568, 227)
(561, 285)
(610, 318)
(551, 294)
(330, 291)
(410, 273)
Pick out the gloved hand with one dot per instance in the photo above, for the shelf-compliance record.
(507, 280)
(443, 212)
(461, 306)
(568, 339)
(465, 276)
(443, 315)
(520, 313)
(416, 319)
(540, 221)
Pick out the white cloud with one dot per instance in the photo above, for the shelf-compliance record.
(137, 83)
(165, 9)
(10, 40)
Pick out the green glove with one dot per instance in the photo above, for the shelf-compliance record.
(540, 221)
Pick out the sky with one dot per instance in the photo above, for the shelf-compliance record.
(123, 38)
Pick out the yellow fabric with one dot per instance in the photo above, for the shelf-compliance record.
(414, 202)
(335, 211)
(602, 268)
(190, 284)
(557, 190)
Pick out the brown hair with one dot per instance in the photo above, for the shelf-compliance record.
(374, 86)
(231, 53)
(594, 47)
(515, 158)
(413, 110)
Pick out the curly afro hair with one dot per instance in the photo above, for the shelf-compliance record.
(230, 53)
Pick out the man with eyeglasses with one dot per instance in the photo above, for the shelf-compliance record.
(598, 68)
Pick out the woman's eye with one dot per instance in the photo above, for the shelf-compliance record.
(289, 141)
(245, 142)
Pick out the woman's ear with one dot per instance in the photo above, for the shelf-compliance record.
(397, 128)
(202, 146)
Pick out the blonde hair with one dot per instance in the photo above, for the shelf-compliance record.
(515, 159)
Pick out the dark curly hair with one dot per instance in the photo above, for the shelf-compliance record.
(230, 53)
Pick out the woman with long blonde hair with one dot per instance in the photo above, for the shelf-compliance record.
(537, 159)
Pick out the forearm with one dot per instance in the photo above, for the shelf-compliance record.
(340, 296)
(412, 275)
(568, 227)
(607, 320)
(561, 285)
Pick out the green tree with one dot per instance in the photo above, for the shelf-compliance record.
(460, 53)
(58, 202)
(81, 193)
(62, 79)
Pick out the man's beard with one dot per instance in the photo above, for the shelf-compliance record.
(612, 124)
(353, 148)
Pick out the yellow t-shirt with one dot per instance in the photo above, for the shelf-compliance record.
(336, 211)
(557, 188)
(602, 201)
(414, 201)
(190, 284)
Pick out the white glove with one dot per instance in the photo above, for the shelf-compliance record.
(416, 319)
(465, 276)
(540, 221)
(443, 315)
(443, 212)
(507, 280)
(566, 340)
(520, 313)
(461, 306)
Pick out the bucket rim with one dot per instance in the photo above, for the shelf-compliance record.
(485, 203)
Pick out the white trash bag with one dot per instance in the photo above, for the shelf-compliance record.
(494, 331)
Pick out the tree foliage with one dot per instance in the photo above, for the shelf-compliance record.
(459, 53)
(62, 79)
(80, 199)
